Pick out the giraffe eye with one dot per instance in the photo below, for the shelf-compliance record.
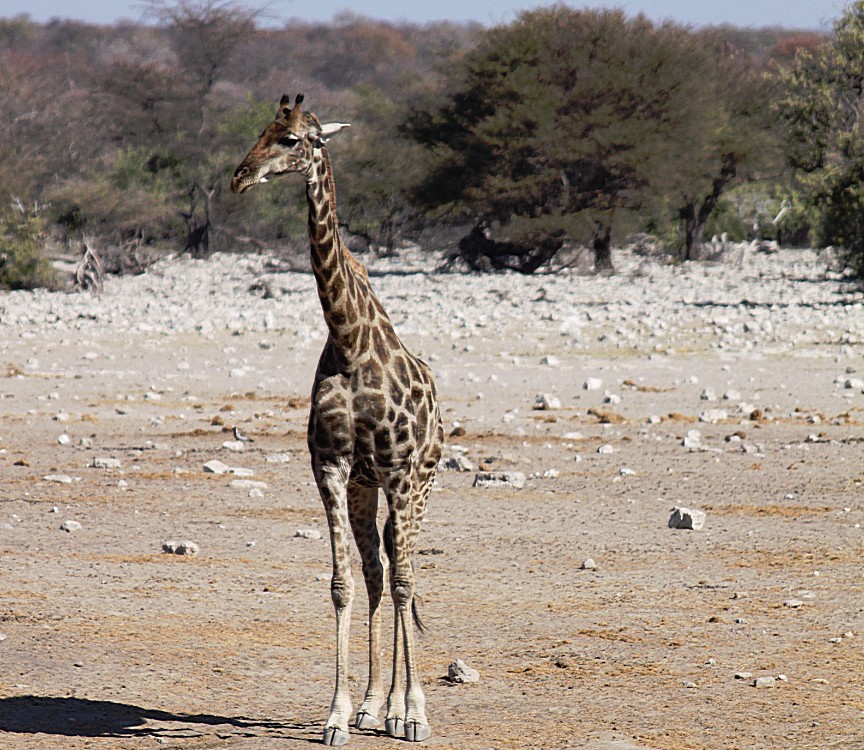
(289, 140)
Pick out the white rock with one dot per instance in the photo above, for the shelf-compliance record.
(458, 671)
(278, 458)
(692, 440)
(185, 547)
(307, 534)
(592, 384)
(58, 478)
(235, 446)
(545, 401)
(854, 383)
(764, 682)
(70, 526)
(456, 463)
(248, 484)
(606, 449)
(487, 479)
(550, 360)
(713, 416)
(731, 395)
(216, 467)
(687, 518)
(793, 603)
(64, 439)
(589, 564)
(101, 462)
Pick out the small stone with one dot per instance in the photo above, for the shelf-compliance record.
(712, 416)
(58, 478)
(216, 467)
(854, 383)
(544, 402)
(589, 564)
(106, 463)
(248, 484)
(278, 458)
(625, 471)
(486, 479)
(692, 440)
(255, 492)
(551, 474)
(550, 360)
(687, 518)
(236, 446)
(186, 547)
(461, 673)
(708, 394)
(689, 684)
(307, 534)
(70, 526)
(457, 463)
(64, 439)
(606, 449)
(793, 603)
(731, 395)
(764, 682)
(592, 384)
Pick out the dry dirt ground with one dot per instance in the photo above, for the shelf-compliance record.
(109, 644)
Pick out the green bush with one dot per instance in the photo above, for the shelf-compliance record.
(23, 264)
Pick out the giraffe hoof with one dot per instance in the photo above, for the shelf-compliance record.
(395, 727)
(365, 720)
(334, 736)
(415, 732)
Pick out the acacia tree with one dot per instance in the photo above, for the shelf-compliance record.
(741, 143)
(824, 113)
(565, 122)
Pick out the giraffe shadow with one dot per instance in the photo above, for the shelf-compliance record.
(82, 717)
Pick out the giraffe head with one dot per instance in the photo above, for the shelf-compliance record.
(286, 145)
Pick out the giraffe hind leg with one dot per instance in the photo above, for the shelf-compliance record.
(362, 510)
(406, 706)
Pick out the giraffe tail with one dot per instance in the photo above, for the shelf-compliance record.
(416, 601)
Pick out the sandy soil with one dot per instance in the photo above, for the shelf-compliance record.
(112, 644)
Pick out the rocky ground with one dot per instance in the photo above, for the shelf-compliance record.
(733, 388)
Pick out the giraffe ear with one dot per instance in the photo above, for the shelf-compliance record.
(331, 128)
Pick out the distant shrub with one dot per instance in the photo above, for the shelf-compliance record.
(23, 264)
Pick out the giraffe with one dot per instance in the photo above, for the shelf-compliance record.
(374, 424)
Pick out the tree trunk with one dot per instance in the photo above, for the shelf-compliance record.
(695, 220)
(603, 249)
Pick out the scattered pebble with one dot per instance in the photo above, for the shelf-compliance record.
(100, 462)
(487, 479)
(70, 526)
(743, 675)
(592, 384)
(793, 603)
(764, 682)
(457, 463)
(459, 672)
(58, 478)
(687, 518)
(186, 547)
(545, 402)
(278, 458)
(307, 534)
(589, 564)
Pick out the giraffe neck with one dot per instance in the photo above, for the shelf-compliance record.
(343, 286)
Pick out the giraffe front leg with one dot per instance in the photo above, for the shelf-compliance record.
(342, 592)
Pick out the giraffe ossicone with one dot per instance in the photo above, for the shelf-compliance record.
(374, 424)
